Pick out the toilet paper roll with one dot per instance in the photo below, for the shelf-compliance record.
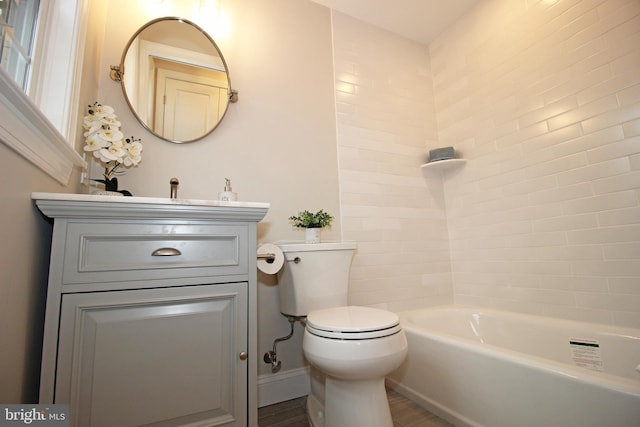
(270, 266)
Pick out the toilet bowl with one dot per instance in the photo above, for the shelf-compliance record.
(350, 348)
(355, 347)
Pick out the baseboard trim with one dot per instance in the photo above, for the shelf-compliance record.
(282, 386)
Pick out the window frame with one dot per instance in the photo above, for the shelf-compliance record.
(42, 128)
(26, 130)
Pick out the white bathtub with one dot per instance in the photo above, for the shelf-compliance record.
(479, 367)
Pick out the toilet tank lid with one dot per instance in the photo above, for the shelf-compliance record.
(352, 319)
(300, 246)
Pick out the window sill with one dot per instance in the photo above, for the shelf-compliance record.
(27, 131)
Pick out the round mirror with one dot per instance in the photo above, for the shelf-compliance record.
(175, 80)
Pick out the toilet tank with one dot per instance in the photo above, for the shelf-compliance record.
(320, 278)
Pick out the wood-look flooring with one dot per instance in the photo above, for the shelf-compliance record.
(404, 412)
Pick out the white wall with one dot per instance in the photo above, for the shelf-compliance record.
(543, 99)
(386, 123)
(25, 237)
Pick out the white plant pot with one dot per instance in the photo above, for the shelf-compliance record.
(312, 235)
(106, 193)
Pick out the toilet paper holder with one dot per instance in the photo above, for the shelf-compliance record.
(269, 257)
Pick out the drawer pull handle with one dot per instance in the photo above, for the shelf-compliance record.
(166, 252)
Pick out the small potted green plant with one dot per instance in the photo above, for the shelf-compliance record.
(312, 223)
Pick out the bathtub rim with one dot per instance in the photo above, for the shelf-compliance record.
(579, 324)
(601, 379)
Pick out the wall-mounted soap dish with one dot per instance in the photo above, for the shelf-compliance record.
(443, 165)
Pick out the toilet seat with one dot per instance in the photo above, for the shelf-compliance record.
(352, 323)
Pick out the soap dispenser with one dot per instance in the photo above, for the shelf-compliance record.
(227, 195)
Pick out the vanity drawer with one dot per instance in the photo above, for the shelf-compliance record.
(98, 253)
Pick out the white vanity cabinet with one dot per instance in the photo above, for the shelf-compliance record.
(151, 311)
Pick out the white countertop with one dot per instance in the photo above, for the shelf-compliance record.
(146, 200)
(67, 205)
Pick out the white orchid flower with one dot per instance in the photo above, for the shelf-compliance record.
(134, 153)
(91, 124)
(112, 135)
(91, 131)
(102, 110)
(113, 153)
(111, 121)
(94, 142)
(99, 154)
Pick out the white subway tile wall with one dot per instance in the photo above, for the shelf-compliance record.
(543, 99)
(385, 121)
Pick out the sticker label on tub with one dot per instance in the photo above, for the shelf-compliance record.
(586, 354)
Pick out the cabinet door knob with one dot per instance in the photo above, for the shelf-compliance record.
(166, 252)
(243, 355)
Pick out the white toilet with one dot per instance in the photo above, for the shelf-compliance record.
(351, 348)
